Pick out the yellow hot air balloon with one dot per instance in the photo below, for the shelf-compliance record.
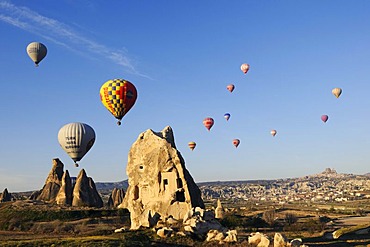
(337, 92)
(118, 96)
(192, 145)
(36, 51)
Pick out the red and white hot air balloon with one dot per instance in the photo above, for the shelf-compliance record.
(208, 123)
(244, 67)
(273, 132)
(324, 118)
(236, 142)
(230, 87)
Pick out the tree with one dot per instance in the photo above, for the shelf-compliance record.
(290, 218)
(270, 217)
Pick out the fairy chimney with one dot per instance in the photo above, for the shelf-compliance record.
(116, 197)
(53, 182)
(64, 196)
(159, 183)
(85, 193)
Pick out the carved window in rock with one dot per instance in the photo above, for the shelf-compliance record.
(136, 193)
(179, 183)
(180, 196)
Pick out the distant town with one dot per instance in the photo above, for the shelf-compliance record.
(328, 186)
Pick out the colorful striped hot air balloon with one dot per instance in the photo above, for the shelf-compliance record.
(192, 145)
(118, 96)
(244, 67)
(208, 123)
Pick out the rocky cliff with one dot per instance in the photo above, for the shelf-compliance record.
(159, 183)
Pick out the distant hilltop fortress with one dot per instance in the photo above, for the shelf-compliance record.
(329, 171)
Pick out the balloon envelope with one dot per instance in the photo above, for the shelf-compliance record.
(227, 116)
(230, 87)
(76, 139)
(192, 145)
(324, 118)
(244, 67)
(208, 123)
(236, 142)
(273, 132)
(36, 51)
(337, 92)
(118, 96)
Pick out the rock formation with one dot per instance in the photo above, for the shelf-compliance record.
(85, 193)
(60, 189)
(53, 182)
(116, 197)
(64, 196)
(5, 196)
(219, 211)
(159, 183)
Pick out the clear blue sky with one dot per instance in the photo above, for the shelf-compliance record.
(181, 55)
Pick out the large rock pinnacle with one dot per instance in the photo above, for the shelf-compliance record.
(159, 183)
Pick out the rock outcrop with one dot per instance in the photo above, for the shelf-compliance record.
(60, 189)
(219, 211)
(85, 193)
(53, 182)
(116, 197)
(5, 196)
(159, 183)
(64, 196)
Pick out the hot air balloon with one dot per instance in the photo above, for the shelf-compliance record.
(227, 116)
(273, 132)
(208, 123)
(76, 139)
(118, 96)
(236, 142)
(324, 118)
(36, 51)
(192, 145)
(230, 87)
(337, 92)
(244, 67)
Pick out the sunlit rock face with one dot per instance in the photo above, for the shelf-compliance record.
(64, 196)
(53, 182)
(116, 197)
(159, 183)
(85, 193)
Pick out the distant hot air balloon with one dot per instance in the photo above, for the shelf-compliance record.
(118, 96)
(227, 116)
(208, 123)
(244, 67)
(230, 87)
(337, 92)
(236, 142)
(36, 51)
(76, 139)
(324, 118)
(273, 132)
(192, 145)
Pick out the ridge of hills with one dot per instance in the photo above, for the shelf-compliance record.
(327, 173)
